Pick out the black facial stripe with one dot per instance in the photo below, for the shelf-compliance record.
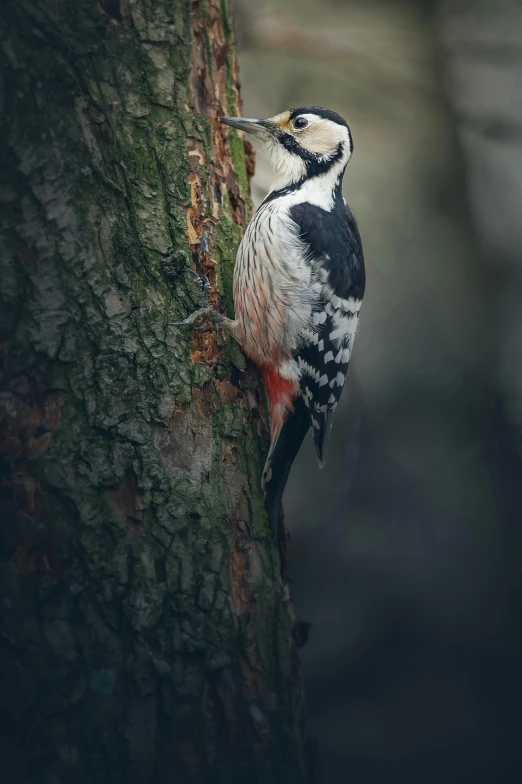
(315, 164)
(292, 145)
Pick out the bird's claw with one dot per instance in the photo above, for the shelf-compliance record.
(184, 323)
(203, 286)
(207, 314)
(204, 312)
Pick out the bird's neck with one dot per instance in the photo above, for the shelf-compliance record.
(324, 189)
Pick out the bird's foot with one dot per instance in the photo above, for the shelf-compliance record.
(203, 287)
(205, 312)
(208, 314)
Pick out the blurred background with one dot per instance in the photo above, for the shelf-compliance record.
(406, 550)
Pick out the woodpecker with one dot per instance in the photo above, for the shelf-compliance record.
(299, 281)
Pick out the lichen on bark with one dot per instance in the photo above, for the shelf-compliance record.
(147, 631)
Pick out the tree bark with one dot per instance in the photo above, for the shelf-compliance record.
(147, 633)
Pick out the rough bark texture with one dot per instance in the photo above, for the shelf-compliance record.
(147, 635)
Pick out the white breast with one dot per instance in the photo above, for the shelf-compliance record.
(275, 287)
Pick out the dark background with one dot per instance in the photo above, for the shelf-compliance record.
(405, 550)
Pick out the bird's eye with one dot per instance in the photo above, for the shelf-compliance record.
(300, 123)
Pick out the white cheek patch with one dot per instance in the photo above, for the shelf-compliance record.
(319, 138)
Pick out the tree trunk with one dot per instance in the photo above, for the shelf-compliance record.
(147, 634)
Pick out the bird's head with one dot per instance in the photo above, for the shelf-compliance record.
(302, 143)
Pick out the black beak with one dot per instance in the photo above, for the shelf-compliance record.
(258, 127)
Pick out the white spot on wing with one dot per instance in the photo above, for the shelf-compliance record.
(323, 273)
(344, 327)
(311, 336)
(309, 370)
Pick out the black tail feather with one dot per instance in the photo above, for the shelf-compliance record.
(322, 434)
(288, 445)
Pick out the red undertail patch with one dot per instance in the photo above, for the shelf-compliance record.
(281, 394)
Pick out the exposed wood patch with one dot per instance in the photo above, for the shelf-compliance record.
(208, 94)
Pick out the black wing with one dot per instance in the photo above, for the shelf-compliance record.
(335, 248)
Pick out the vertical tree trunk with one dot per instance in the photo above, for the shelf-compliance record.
(147, 636)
